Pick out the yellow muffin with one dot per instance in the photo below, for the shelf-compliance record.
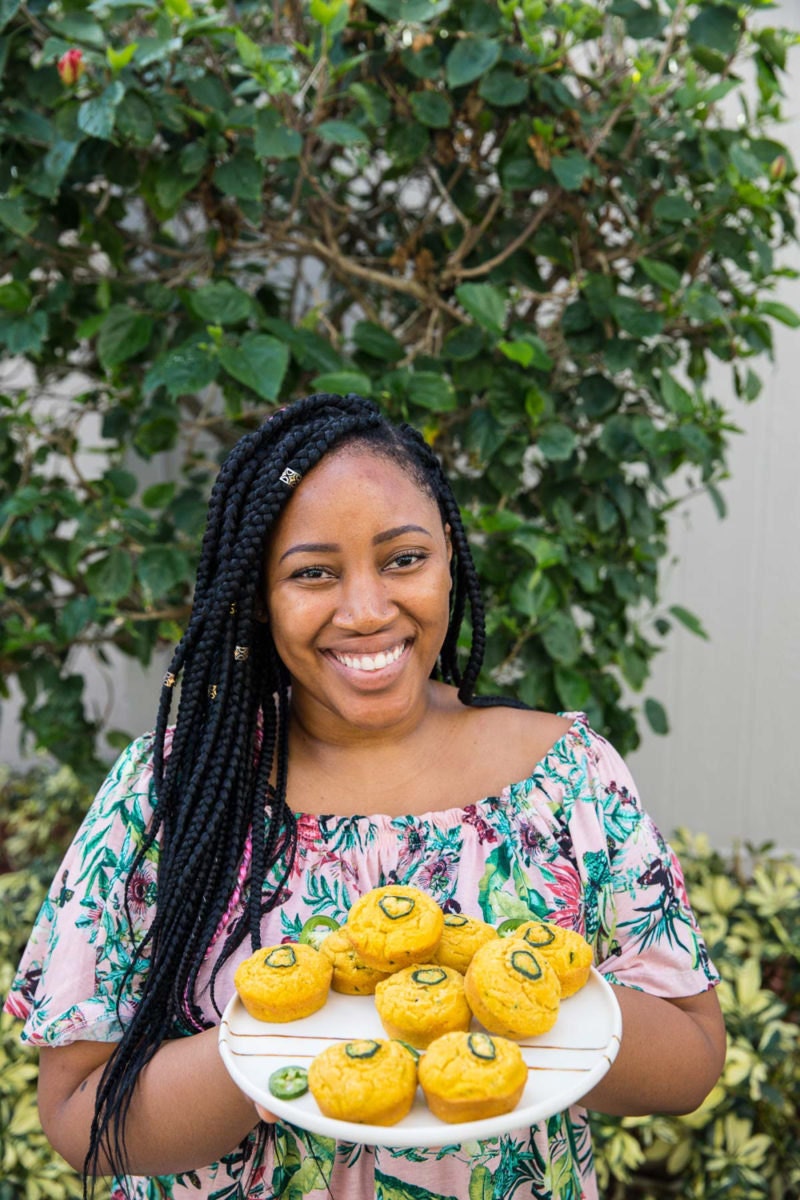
(461, 937)
(568, 953)
(512, 991)
(351, 975)
(371, 1082)
(392, 927)
(420, 1003)
(469, 1076)
(283, 983)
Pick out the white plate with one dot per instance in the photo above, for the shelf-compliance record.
(562, 1065)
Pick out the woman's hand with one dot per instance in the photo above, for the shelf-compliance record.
(269, 1117)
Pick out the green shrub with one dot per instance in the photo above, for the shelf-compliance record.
(39, 812)
(742, 1144)
(530, 228)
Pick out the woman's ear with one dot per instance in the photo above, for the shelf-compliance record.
(260, 611)
(449, 542)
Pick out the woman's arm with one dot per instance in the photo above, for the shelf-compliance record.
(186, 1111)
(672, 1054)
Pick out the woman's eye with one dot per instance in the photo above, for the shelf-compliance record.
(408, 558)
(311, 573)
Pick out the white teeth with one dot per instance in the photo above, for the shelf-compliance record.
(371, 662)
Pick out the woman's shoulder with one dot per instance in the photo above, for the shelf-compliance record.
(500, 745)
(533, 731)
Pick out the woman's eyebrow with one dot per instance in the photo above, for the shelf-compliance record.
(398, 532)
(333, 547)
(310, 548)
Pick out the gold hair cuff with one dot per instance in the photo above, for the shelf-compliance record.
(232, 609)
(241, 653)
(169, 679)
(212, 692)
(290, 477)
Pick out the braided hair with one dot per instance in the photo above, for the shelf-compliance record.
(220, 774)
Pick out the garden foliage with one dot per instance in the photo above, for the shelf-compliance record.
(742, 1144)
(530, 228)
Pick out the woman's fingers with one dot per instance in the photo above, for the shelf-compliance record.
(269, 1117)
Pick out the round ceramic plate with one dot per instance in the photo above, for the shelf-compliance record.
(562, 1065)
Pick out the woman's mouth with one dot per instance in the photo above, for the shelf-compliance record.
(370, 662)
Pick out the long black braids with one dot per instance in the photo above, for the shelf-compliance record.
(220, 771)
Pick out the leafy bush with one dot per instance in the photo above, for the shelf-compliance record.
(528, 227)
(38, 814)
(742, 1144)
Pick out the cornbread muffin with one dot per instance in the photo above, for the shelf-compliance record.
(283, 983)
(568, 953)
(512, 991)
(371, 1082)
(461, 937)
(468, 1076)
(392, 927)
(420, 1003)
(351, 975)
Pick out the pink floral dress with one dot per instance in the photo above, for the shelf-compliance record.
(570, 843)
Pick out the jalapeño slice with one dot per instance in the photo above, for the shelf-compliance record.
(482, 1046)
(507, 927)
(316, 929)
(365, 1048)
(395, 907)
(288, 1082)
(281, 956)
(430, 976)
(455, 920)
(540, 935)
(526, 964)
(412, 1050)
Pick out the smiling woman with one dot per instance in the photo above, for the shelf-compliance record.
(357, 589)
(328, 741)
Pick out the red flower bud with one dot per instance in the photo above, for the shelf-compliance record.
(777, 170)
(71, 66)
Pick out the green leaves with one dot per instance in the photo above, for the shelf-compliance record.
(96, 116)
(342, 133)
(110, 578)
(470, 58)
(431, 108)
(274, 139)
(221, 303)
(485, 303)
(258, 361)
(486, 220)
(715, 28)
(572, 171)
(123, 334)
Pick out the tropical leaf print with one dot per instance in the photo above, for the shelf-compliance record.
(397, 1189)
(570, 843)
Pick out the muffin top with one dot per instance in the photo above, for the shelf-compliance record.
(394, 925)
(284, 971)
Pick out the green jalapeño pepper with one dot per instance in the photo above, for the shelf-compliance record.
(507, 927)
(316, 929)
(289, 1082)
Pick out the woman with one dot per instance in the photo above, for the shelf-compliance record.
(326, 742)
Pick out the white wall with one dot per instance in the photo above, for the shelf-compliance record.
(729, 765)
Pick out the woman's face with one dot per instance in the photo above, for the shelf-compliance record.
(357, 583)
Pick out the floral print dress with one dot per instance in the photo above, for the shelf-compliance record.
(569, 844)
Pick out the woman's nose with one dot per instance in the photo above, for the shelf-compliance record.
(364, 604)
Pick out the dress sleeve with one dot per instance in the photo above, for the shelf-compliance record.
(73, 982)
(636, 907)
